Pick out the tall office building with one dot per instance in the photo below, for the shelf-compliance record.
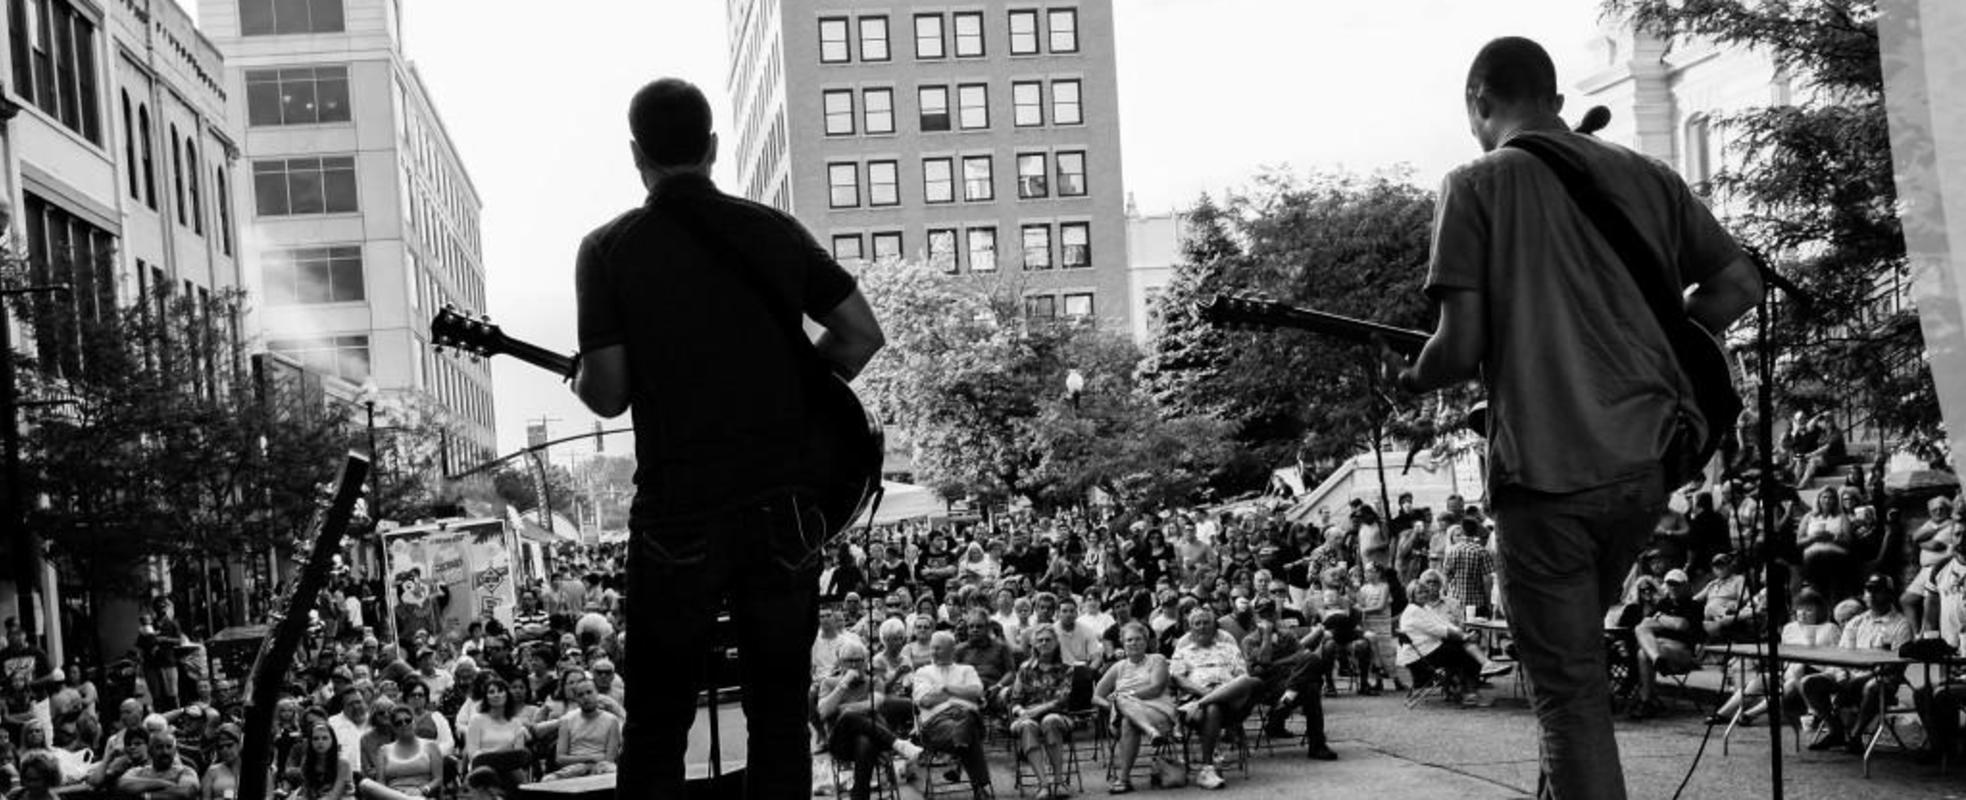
(980, 139)
(359, 220)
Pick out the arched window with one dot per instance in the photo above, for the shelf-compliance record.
(177, 176)
(1699, 153)
(149, 160)
(224, 212)
(130, 147)
(197, 197)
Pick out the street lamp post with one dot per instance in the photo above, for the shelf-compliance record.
(369, 394)
(27, 549)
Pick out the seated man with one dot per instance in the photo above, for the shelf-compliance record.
(589, 740)
(982, 651)
(1209, 667)
(165, 777)
(949, 699)
(1667, 640)
(1289, 668)
(1839, 696)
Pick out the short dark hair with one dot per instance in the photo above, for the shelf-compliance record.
(670, 118)
(1513, 68)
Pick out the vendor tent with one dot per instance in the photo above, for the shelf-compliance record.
(901, 502)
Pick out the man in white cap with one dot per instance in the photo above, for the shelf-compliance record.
(1666, 642)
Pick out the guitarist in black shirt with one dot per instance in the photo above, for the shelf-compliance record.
(688, 306)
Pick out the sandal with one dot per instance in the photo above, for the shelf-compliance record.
(1119, 787)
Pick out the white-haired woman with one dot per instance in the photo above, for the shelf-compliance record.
(949, 697)
(850, 701)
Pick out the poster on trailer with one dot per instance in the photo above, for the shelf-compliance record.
(441, 577)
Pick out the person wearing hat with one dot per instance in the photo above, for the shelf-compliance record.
(1667, 641)
(1726, 612)
(1844, 698)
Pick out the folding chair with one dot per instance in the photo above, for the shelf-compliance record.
(1024, 772)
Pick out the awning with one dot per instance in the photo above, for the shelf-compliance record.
(905, 501)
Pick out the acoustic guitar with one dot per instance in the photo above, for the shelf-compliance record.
(845, 440)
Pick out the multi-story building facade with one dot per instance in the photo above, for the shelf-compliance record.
(1153, 250)
(360, 220)
(980, 138)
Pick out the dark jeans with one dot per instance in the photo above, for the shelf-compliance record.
(1301, 673)
(1563, 561)
(762, 556)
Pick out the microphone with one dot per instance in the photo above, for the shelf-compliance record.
(1594, 120)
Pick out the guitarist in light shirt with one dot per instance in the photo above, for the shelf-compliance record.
(1583, 386)
(687, 305)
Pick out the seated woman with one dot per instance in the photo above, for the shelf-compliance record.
(1667, 640)
(497, 736)
(409, 766)
(222, 778)
(1036, 699)
(1824, 539)
(1335, 608)
(324, 774)
(1135, 692)
(1810, 628)
(849, 700)
(1845, 700)
(949, 700)
(1441, 645)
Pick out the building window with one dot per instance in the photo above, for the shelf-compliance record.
(268, 17)
(296, 96)
(878, 105)
(1065, 103)
(1041, 306)
(177, 176)
(982, 249)
(305, 186)
(1030, 176)
(938, 180)
(1024, 32)
(935, 108)
(130, 148)
(197, 196)
(1699, 154)
(149, 157)
(977, 183)
(64, 249)
(928, 36)
(1037, 247)
(969, 34)
(883, 183)
(346, 357)
(844, 180)
(873, 39)
(1027, 103)
(887, 245)
(1071, 173)
(1078, 304)
(224, 212)
(1064, 30)
(54, 50)
(973, 104)
(833, 47)
(1075, 245)
(313, 275)
(942, 249)
(846, 247)
(839, 112)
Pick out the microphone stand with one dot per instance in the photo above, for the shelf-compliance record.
(1775, 581)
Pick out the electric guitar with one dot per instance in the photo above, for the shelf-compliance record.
(276, 657)
(845, 440)
(1238, 310)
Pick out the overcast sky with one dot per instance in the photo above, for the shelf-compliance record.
(1211, 91)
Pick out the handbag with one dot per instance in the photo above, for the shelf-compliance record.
(1169, 772)
(1695, 437)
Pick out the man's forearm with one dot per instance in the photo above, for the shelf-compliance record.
(848, 354)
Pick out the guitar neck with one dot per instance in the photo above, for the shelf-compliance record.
(556, 363)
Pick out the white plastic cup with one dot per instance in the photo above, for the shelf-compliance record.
(1469, 612)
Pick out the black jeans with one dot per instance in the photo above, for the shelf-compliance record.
(762, 556)
(860, 740)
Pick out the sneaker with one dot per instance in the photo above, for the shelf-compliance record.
(1289, 697)
(1210, 778)
(909, 751)
(1495, 669)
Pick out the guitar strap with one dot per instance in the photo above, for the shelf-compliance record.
(1617, 229)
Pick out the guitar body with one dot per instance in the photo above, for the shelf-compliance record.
(847, 446)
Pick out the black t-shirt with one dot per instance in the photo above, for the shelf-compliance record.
(935, 561)
(1033, 561)
(714, 385)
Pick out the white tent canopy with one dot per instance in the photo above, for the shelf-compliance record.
(905, 501)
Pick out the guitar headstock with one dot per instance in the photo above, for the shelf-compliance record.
(460, 331)
(1242, 311)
